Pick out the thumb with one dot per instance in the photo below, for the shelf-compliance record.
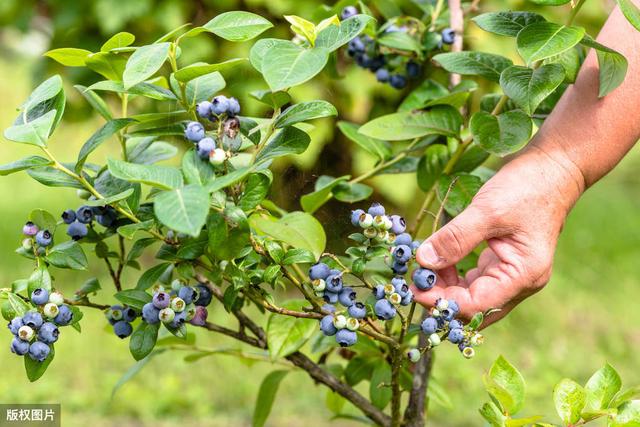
(455, 240)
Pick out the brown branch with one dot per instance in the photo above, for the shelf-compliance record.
(456, 22)
(86, 303)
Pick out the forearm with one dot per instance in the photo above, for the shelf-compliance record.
(590, 135)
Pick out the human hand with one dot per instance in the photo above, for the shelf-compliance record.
(519, 213)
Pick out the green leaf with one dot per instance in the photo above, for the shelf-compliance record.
(109, 200)
(259, 50)
(542, 40)
(334, 36)
(322, 193)
(229, 179)
(24, 163)
(266, 396)
(501, 135)
(95, 101)
(195, 169)
(204, 87)
(35, 132)
(508, 23)
(304, 111)
(570, 60)
(69, 57)
(550, 2)
(68, 255)
(197, 70)
(289, 140)
(631, 12)
(228, 233)
(491, 413)
(473, 157)
(420, 96)
(35, 369)
(374, 146)
(287, 334)
(19, 306)
(108, 64)
(163, 177)
(298, 256)
(143, 340)
(528, 87)
(602, 387)
(131, 372)
(122, 39)
(440, 120)
(129, 230)
(625, 395)
(151, 276)
(255, 190)
(482, 64)
(506, 385)
(431, 165)
(135, 298)
(144, 63)
(101, 135)
(272, 99)
(43, 219)
(286, 64)
(465, 187)
(184, 209)
(53, 177)
(612, 67)
(401, 41)
(40, 278)
(628, 415)
(569, 399)
(147, 90)
(351, 192)
(238, 26)
(298, 229)
(380, 385)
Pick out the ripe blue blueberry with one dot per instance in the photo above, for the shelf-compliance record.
(357, 311)
(200, 318)
(205, 146)
(398, 224)
(384, 310)
(48, 333)
(376, 63)
(355, 217)
(204, 296)
(150, 313)
(65, 315)
(220, 105)
(85, 214)
(407, 299)
(319, 271)
(415, 245)
(398, 81)
(40, 296)
(39, 351)
(382, 75)
(234, 107)
(19, 347)
(399, 267)
(453, 306)
(455, 324)
(347, 296)
(448, 36)
(15, 324)
(68, 216)
(429, 325)
(32, 319)
(330, 297)
(77, 230)
(334, 283)
(456, 336)
(108, 217)
(30, 229)
(376, 209)
(161, 300)
(448, 314)
(346, 338)
(179, 319)
(378, 292)
(194, 131)
(424, 279)
(403, 239)
(187, 293)
(129, 314)
(326, 325)
(122, 329)
(328, 308)
(402, 253)
(348, 12)
(204, 109)
(44, 238)
(413, 70)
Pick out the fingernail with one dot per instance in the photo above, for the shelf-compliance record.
(429, 255)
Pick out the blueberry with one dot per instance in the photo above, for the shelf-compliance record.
(65, 315)
(204, 109)
(346, 338)
(326, 325)
(177, 304)
(357, 311)
(166, 315)
(376, 209)
(366, 221)
(434, 340)
(357, 45)
(187, 293)
(234, 107)
(30, 229)
(33, 319)
(204, 296)
(116, 312)
(217, 157)
(429, 325)
(15, 324)
(108, 217)
(398, 283)
(398, 81)
(448, 36)
(219, 105)
(26, 333)
(456, 336)
(200, 318)
(161, 300)
(402, 290)
(129, 314)
(413, 355)
(448, 314)
(348, 12)
(378, 292)
(122, 329)
(48, 333)
(355, 217)
(415, 245)
(403, 239)
(39, 351)
(442, 304)
(40, 296)
(68, 216)
(353, 324)
(453, 306)
(402, 253)
(376, 63)
(44, 238)
(179, 319)
(424, 279)
(330, 297)
(384, 310)
(328, 308)
(407, 299)
(347, 296)
(319, 271)
(194, 131)
(150, 313)
(398, 224)
(382, 75)
(399, 267)
(455, 324)
(334, 283)
(205, 146)
(413, 70)
(77, 230)
(468, 352)
(19, 347)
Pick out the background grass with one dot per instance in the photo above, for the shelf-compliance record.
(587, 315)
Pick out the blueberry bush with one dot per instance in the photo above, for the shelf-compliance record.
(221, 243)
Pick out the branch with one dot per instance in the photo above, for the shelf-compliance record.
(86, 303)
(456, 22)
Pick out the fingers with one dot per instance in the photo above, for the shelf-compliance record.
(455, 240)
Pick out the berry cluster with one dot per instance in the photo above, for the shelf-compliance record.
(40, 238)
(37, 330)
(391, 65)
(183, 303)
(219, 147)
(121, 317)
(83, 217)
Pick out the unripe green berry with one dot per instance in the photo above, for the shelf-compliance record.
(217, 157)
(434, 340)
(178, 305)
(389, 289)
(27, 244)
(166, 315)
(370, 233)
(319, 294)
(340, 322)
(56, 298)
(468, 352)
(353, 324)
(25, 333)
(319, 285)
(191, 311)
(366, 220)
(176, 285)
(413, 355)
(395, 298)
(387, 223)
(442, 304)
(157, 288)
(115, 314)
(50, 310)
(378, 222)
(435, 312)
(382, 236)
(391, 238)
(83, 194)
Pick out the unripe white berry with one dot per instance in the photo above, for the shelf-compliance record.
(340, 322)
